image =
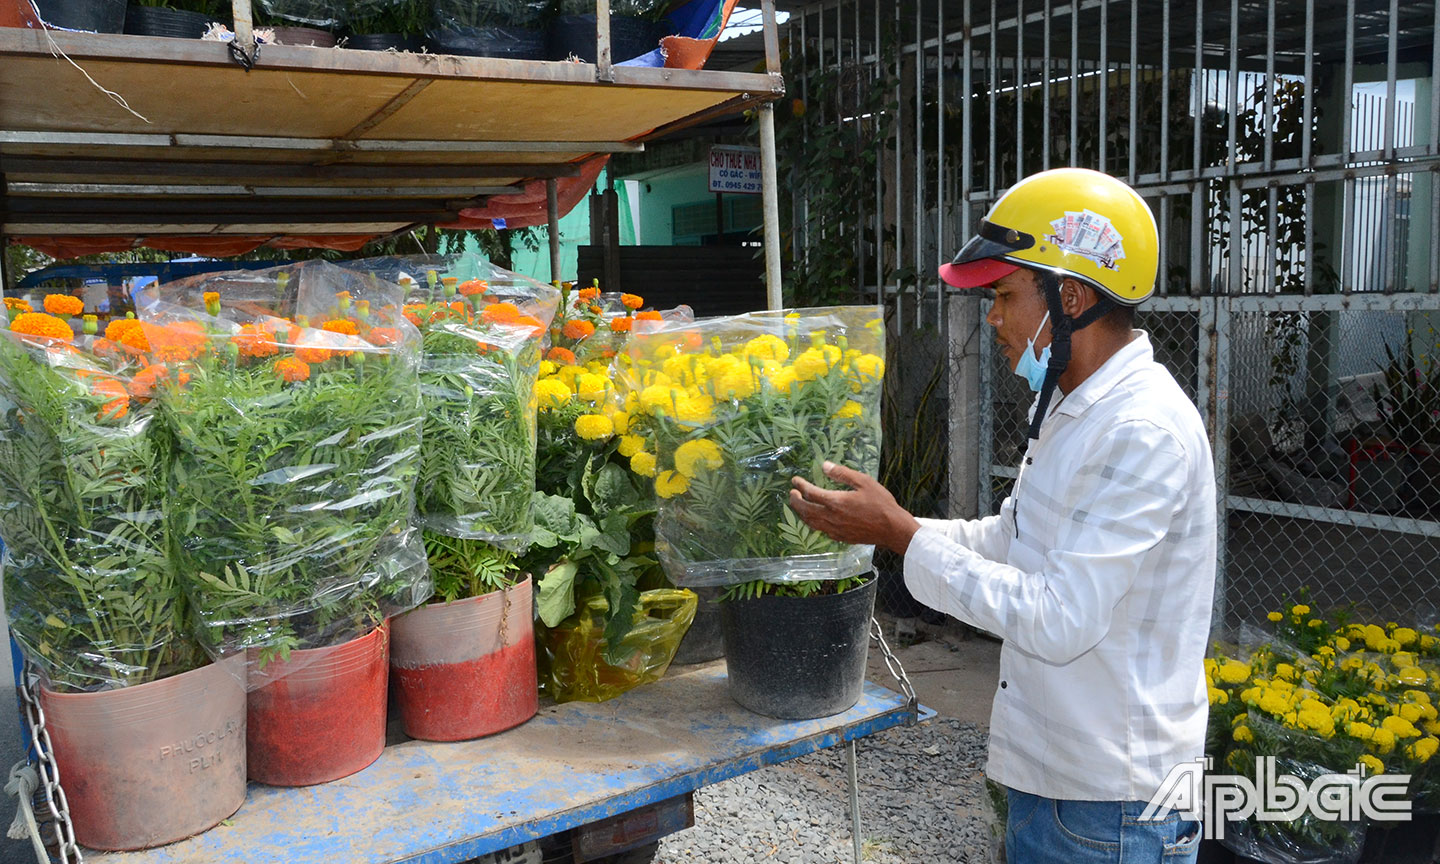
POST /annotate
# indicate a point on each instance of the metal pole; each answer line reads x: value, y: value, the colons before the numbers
x: 772, y: 37
x: 1104, y: 86
x: 1164, y: 98
x: 853, y: 779
x: 1074, y: 83
x: 919, y: 168
x: 552, y: 221
x: 243, y: 19
x: 1134, y: 84
x: 604, y: 70
x: 771, y: 200
x: 1019, y: 89
x: 879, y: 180
x: 1045, y: 91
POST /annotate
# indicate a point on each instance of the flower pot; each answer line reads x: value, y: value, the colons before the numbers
x: 574, y: 35
x: 467, y: 668
x: 170, y: 23
x: 320, y: 715
x: 95, y: 16
x: 513, y: 43
x: 703, y: 641
x: 304, y: 36
x: 148, y: 765
x: 573, y: 664
x: 384, y: 42
x: 798, y: 658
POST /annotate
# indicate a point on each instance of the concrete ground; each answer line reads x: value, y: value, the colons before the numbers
x: 953, y: 668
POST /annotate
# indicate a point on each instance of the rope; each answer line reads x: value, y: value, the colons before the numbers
x: 22, y: 783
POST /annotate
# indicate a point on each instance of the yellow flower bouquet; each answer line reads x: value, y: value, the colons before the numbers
x: 294, y: 404
x: 91, y: 592
x: 726, y: 410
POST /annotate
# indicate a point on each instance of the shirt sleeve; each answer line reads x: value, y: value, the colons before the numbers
x: 989, y: 537
x: 1117, y: 507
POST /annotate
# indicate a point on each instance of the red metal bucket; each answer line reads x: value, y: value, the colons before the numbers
x: 319, y: 715
x: 148, y: 765
x: 467, y: 668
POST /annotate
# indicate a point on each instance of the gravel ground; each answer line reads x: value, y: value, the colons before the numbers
x: 922, y: 799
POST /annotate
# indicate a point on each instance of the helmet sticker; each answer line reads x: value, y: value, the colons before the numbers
x: 1089, y: 235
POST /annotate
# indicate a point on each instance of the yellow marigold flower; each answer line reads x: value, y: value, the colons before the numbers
x: 1384, y: 741
x: 850, y: 409
x: 1405, y: 636
x: 1432, y: 727
x: 1217, y: 696
x: 621, y: 421
x: 1232, y: 672
x: 594, y: 427
x: 1412, y: 676
x: 630, y: 445
x: 1422, y: 750
x: 784, y: 379
x: 767, y: 347
x: 1300, y: 609
x: 682, y: 369
x: 551, y: 393
x: 1243, y: 734
x: 643, y: 463
x: 591, y: 387
x: 1400, y: 726
x: 1411, y: 712
x: 1429, y: 643
x: 1360, y: 731
x: 1315, y: 622
x: 569, y: 373
x: 668, y: 484
x: 660, y: 397
x: 1285, y: 672
x: 1275, y: 616
x: 1372, y: 763
x: 695, y: 410
x: 736, y: 382
x: 547, y: 368
x: 812, y: 363
x: 1341, y: 643
x: 693, y: 456
x: 867, y: 367
x: 63, y: 304
x: 1274, y: 702
x: 1239, y: 718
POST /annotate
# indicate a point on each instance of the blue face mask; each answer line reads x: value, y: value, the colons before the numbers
x: 1029, y: 368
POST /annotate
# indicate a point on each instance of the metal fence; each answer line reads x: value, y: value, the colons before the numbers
x: 1289, y: 151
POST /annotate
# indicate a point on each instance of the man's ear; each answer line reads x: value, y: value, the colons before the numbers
x: 1076, y: 297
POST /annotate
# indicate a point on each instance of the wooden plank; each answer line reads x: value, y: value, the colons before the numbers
x: 110, y: 150
x: 21, y: 188
x: 32, y: 228
x: 217, y: 208
x: 390, y: 108
x: 32, y: 167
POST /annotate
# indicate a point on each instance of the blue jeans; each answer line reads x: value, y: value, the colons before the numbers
x: 1050, y: 831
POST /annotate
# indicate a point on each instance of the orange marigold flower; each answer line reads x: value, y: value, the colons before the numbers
x: 632, y: 301
x: 383, y: 336
x: 129, y: 334
x: 607, y: 353
x: 40, y: 324
x: 500, y: 313
x: 622, y: 325
x: 293, y: 369
x: 596, y: 310
x: 412, y: 312
x: 577, y: 329
x: 17, y: 303
x: 563, y: 356
x: 474, y: 286
x: 117, y: 398
x: 536, y: 328
x: 343, y: 326
x: 589, y: 293
x: 142, y: 386
x: 649, y: 315
x: 253, y: 340
x: 177, y: 342
x: 115, y: 409
x: 103, y: 347
x: 64, y: 304
x: 312, y: 354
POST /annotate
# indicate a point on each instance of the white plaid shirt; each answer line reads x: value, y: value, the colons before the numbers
x: 1098, y: 573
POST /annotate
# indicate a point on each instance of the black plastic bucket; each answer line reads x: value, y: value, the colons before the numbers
x: 512, y: 43
x: 171, y: 23
x: 384, y: 42
x: 703, y: 642
x: 96, y: 16
x: 798, y: 658
x: 574, y: 35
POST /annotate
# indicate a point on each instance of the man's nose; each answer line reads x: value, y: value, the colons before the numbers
x: 993, y: 318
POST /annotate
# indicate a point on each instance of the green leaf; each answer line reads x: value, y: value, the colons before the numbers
x: 613, y: 489
x: 557, y: 599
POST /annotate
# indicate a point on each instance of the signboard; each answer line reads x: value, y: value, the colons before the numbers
x: 735, y: 170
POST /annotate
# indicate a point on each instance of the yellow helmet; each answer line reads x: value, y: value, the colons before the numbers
x: 1070, y: 222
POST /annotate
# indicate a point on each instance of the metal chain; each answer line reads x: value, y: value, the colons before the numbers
x: 897, y: 671
x: 55, y: 799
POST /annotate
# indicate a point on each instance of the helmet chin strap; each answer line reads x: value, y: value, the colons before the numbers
x: 1061, y: 328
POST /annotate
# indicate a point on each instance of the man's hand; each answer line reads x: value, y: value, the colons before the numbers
x: 867, y: 515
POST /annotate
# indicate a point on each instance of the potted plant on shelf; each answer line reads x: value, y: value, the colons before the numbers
x: 464, y: 665
x: 381, y: 25
x: 92, y: 592
x: 511, y: 29
x: 636, y: 27
x: 609, y: 625
x: 174, y: 19
x: 311, y: 23
x: 297, y: 443
x: 733, y: 408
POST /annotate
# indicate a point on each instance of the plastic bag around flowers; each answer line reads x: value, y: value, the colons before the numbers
x: 730, y: 409
x: 572, y: 654
x: 293, y: 398
x: 91, y: 592
x: 481, y: 330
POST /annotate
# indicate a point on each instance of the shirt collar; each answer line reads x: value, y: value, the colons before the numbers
x: 1123, y: 363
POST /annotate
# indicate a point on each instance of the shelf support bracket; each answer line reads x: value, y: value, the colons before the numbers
x: 244, y: 49
x: 604, y: 68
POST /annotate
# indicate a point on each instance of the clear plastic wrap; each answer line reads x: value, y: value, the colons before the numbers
x: 731, y: 408
x: 293, y: 397
x: 322, y: 14
x: 481, y: 329
x: 489, y: 28
x: 572, y: 660
x: 90, y: 589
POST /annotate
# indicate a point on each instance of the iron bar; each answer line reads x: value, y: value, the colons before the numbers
x: 1045, y: 85
x: 918, y: 239
x: 1133, y: 144
x: 552, y: 224
x: 1164, y: 92
x: 1019, y: 90
x: 604, y: 68
x: 1308, y: 111
x: 1390, y: 61
x: 1104, y: 129
x: 1074, y: 140
x: 1268, y: 122
x: 770, y: 201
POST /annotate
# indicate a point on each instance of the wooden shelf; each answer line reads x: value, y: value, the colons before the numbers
x: 311, y: 140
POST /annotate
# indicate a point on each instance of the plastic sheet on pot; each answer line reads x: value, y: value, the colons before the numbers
x: 481, y: 330
x: 571, y: 654
x: 732, y: 408
x: 293, y: 396
x: 91, y: 593
x: 324, y: 14
x: 489, y: 28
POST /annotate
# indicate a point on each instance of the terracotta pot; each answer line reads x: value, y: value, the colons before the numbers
x: 467, y: 668
x: 319, y: 715
x: 148, y: 765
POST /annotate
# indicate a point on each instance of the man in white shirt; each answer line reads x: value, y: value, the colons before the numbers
x: 1099, y: 570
